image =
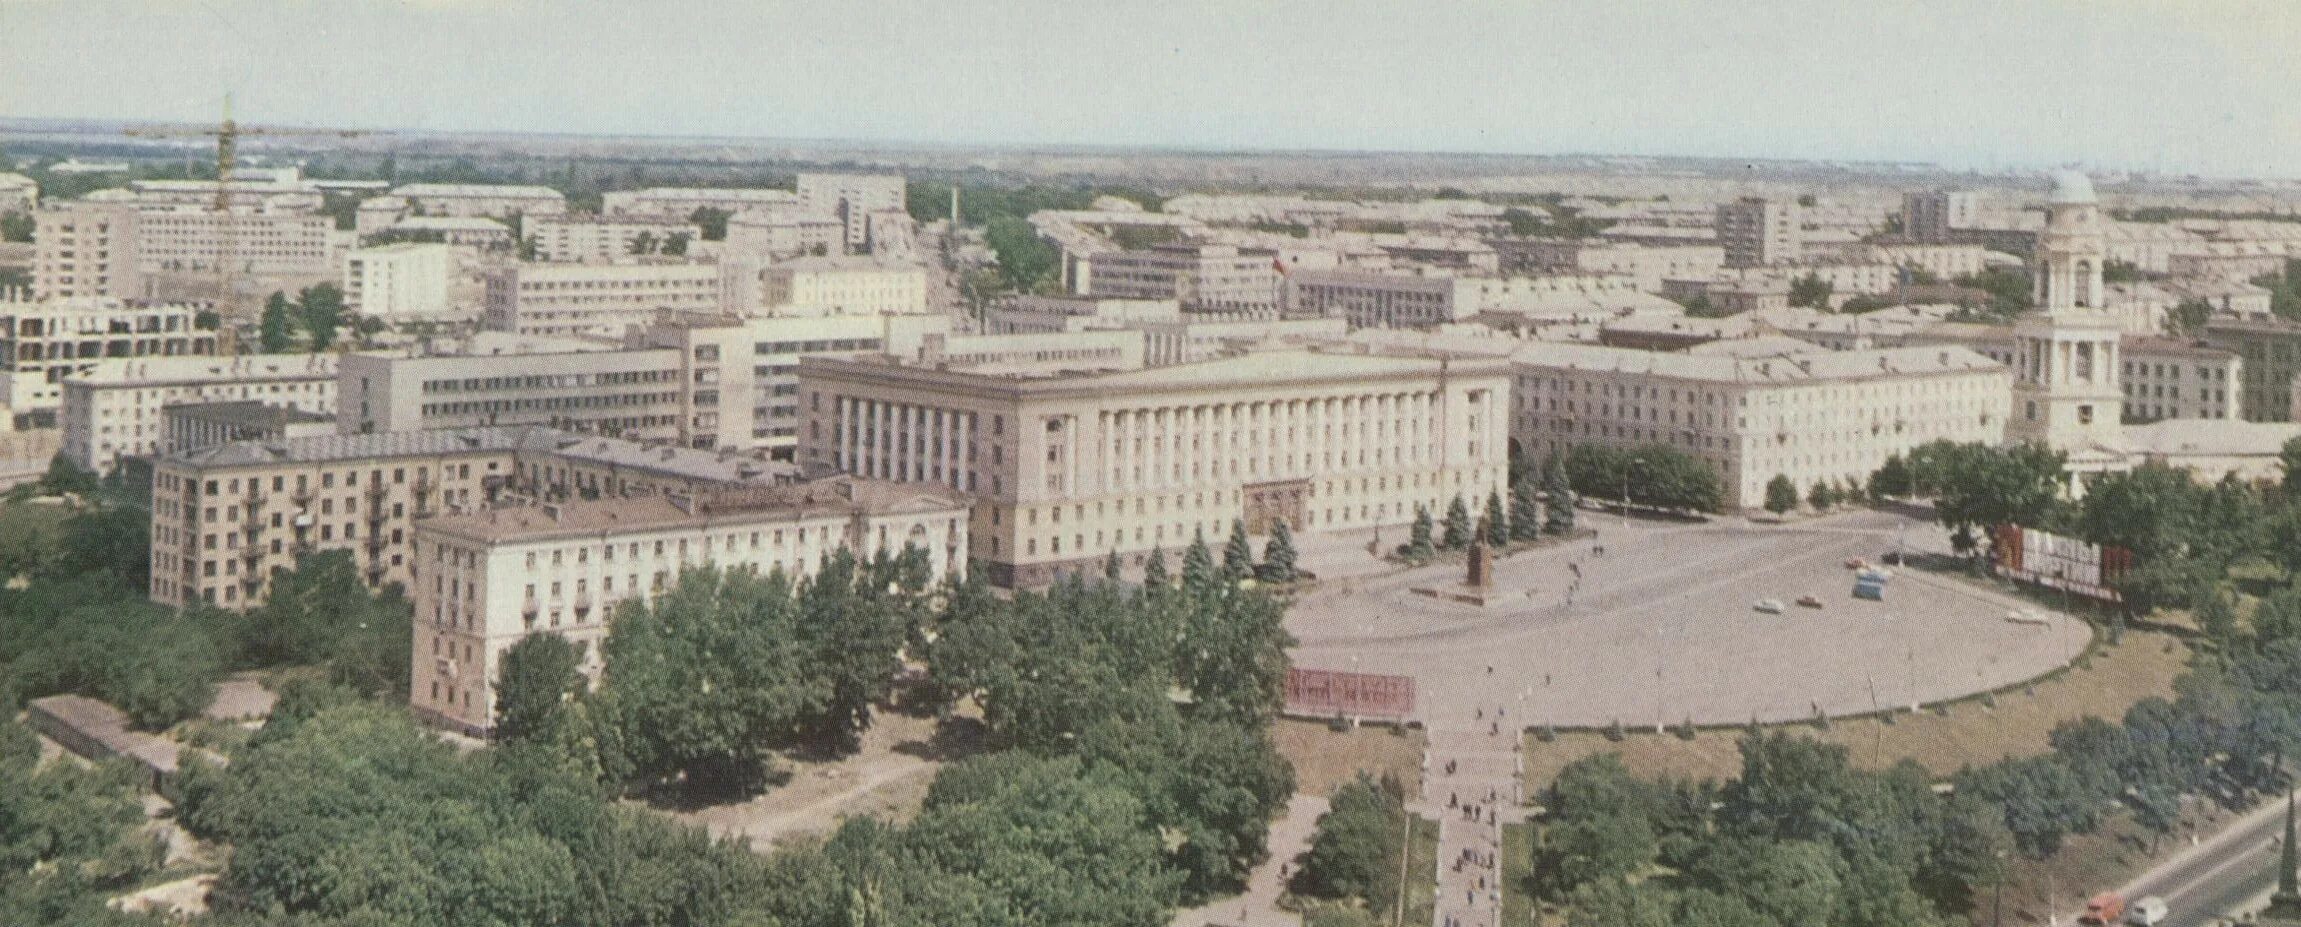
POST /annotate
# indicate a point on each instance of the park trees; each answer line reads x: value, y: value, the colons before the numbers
x: 1892, y: 478
x: 1977, y: 486
x: 1237, y: 554
x: 541, y: 675
x: 276, y: 331
x: 1497, y: 521
x: 1823, y: 496
x: 1810, y: 291
x: 1653, y: 475
x: 1278, y: 554
x: 1353, y: 852
x: 1418, y: 545
x: 1781, y: 494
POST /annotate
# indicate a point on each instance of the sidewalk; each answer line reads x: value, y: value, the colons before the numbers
x: 1258, y: 907
x: 1471, y: 786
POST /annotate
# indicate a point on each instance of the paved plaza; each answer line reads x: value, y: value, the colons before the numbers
x: 1660, y: 628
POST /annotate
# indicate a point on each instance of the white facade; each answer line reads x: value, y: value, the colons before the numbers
x: 2066, y: 391
x: 18, y: 193
x: 490, y: 579
x: 1069, y: 469
x: 679, y: 203
x: 1756, y: 232
x: 852, y: 198
x: 841, y: 286
x: 737, y: 377
x: 2167, y: 378
x: 398, y: 281
x: 604, y: 240
x: 467, y: 200
x: 43, y: 343
x: 116, y: 408
x: 1834, y: 415
x: 595, y: 299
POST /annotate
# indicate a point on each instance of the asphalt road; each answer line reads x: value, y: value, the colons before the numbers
x: 2225, y: 877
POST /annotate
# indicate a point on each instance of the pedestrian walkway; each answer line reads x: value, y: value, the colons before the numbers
x: 1471, y: 786
x: 1258, y: 907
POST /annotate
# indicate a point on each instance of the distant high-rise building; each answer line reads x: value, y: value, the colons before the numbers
x: 853, y: 198
x: 1933, y: 217
x: 1756, y: 232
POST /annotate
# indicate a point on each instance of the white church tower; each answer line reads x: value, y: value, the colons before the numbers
x: 2066, y: 391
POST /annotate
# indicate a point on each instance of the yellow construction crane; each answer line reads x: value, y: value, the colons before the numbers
x: 227, y: 135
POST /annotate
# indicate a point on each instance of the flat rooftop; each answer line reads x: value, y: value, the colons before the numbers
x: 839, y: 496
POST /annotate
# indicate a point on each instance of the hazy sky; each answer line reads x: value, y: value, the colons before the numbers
x: 2210, y: 86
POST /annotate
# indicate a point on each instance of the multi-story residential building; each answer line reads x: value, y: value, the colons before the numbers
x: 632, y: 393
x: 118, y: 408
x: 86, y: 250
x: 1068, y: 469
x: 114, y: 248
x: 1934, y: 217
x: 289, y: 193
x: 224, y: 517
x: 2171, y: 378
x: 680, y: 203
x: 398, y: 281
x: 737, y: 376
x: 1376, y: 300
x: 2269, y: 349
x: 1649, y: 265
x: 1811, y: 416
x: 763, y: 237
x: 595, y: 299
x: 606, y: 239
x: 853, y: 198
x: 42, y: 343
x: 1032, y: 315
x: 492, y: 578
x: 1755, y: 232
x: 837, y: 286
x: 207, y: 424
x: 468, y: 200
x: 1199, y: 276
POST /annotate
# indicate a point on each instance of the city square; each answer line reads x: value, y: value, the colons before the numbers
x: 1661, y: 628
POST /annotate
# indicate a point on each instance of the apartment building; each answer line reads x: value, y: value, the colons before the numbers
x: 1833, y: 415
x: 43, y: 343
x: 1934, y: 217
x: 1946, y: 262
x: 737, y: 376
x: 1199, y: 276
x: 605, y: 239
x: 842, y: 286
x: 762, y: 237
x: 852, y: 199
x: 472, y: 200
x: 492, y: 578
x: 1649, y: 265
x: 207, y: 424
x: 197, y: 240
x: 1378, y: 300
x: 398, y: 281
x: 117, y: 408
x: 631, y: 393
x: 1067, y: 469
x: 2269, y: 350
x: 84, y: 250
x: 2169, y: 378
x: 224, y: 517
x: 595, y: 299
x: 1027, y: 315
x: 18, y: 193
x: 1755, y: 232
x: 680, y: 203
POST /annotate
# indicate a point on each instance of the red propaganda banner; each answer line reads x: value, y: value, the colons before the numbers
x: 2056, y: 562
x: 1326, y: 693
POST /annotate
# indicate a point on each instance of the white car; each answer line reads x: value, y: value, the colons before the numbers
x: 1769, y: 606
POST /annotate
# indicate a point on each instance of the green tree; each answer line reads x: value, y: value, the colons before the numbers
x: 1198, y: 573
x: 1781, y: 494
x: 675, y: 244
x: 1892, y: 479
x: 109, y: 544
x: 542, y: 673
x: 1654, y: 475
x: 1237, y: 555
x: 2187, y: 318
x: 1354, y: 850
x: 2217, y: 619
x: 1113, y: 568
x: 64, y: 476
x: 1154, y: 569
x: 1810, y: 291
x: 1418, y: 544
x: 16, y: 226
x: 703, y: 681
x: 1558, y: 506
x: 1603, y: 826
x: 643, y: 243
x: 1497, y: 521
x: 1525, y: 512
x: 1977, y: 486
x: 712, y: 220
x: 322, y: 310
x: 1823, y: 496
x: 1278, y: 554
x: 1457, y: 526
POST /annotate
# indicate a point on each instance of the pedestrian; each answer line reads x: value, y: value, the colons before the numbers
x: 1489, y: 669
x: 1494, y: 728
x: 1545, y: 679
x: 1480, y: 713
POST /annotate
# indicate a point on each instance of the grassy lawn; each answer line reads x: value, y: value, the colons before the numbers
x: 1518, y: 905
x: 1421, y: 863
x: 2143, y: 665
x: 1324, y: 758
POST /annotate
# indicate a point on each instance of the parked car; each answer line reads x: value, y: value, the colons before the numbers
x: 2148, y: 912
x: 1769, y: 606
x: 1810, y: 601
x: 1856, y: 563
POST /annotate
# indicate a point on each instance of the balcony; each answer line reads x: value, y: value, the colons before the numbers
x: 302, y: 497
x: 376, y: 493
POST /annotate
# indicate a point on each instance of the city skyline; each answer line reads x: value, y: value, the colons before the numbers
x: 2195, y: 87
